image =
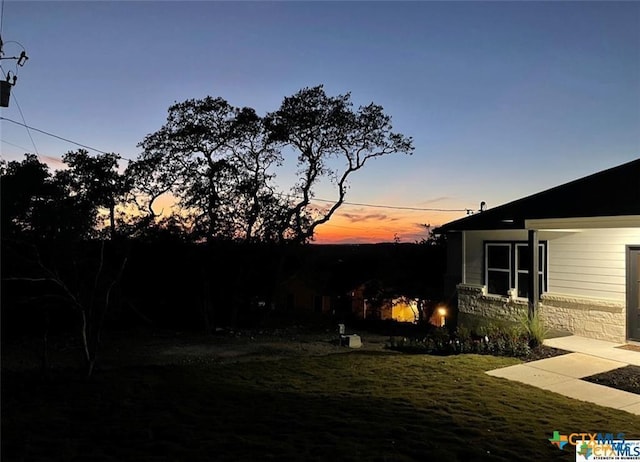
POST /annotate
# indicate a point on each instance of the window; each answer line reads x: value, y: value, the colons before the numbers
x: 507, y: 267
x: 522, y: 269
x: 498, y: 268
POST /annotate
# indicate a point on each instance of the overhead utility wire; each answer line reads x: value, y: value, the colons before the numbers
x: 24, y: 123
x: 13, y: 144
x: 55, y: 136
x: 420, y: 209
x: 395, y: 207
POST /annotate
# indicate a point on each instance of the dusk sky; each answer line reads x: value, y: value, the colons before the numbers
x: 502, y: 99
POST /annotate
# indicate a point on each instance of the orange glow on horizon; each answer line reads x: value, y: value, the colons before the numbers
x: 362, y: 227
x: 351, y: 224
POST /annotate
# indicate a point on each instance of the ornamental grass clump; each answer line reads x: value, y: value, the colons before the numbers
x: 535, y: 329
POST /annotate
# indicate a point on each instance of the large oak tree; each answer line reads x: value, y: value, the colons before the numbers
x: 332, y: 141
x: 220, y: 162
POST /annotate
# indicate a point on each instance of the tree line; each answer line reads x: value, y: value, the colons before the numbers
x: 219, y: 162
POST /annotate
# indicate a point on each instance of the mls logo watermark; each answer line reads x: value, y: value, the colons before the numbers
x: 598, y: 446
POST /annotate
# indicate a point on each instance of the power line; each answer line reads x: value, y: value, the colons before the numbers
x: 359, y: 204
x: 16, y: 145
x: 21, y: 113
x: 15, y: 100
x: 54, y: 136
x: 395, y: 207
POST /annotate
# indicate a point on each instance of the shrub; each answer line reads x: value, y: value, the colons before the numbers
x: 535, y: 329
x: 500, y: 341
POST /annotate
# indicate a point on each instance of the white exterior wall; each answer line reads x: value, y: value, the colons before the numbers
x: 586, y: 277
x: 590, y: 262
x: 587, y: 281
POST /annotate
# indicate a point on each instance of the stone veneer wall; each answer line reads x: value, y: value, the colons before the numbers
x: 598, y: 319
x: 474, y: 300
x: 592, y: 318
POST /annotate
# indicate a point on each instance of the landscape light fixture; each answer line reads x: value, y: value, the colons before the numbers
x: 442, y: 312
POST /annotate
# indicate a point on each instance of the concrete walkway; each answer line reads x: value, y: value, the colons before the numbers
x: 562, y: 374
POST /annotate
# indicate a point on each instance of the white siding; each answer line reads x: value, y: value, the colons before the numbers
x: 582, y: 263
x: 590, y: 262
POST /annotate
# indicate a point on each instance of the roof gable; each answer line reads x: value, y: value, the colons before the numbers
x: 612, y: 192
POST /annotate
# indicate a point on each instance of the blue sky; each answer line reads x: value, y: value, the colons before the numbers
x: 503, y: 99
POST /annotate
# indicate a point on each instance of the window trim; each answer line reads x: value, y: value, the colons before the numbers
x: 542, y: 266
x: 502, y: 270
x: 513, y: 262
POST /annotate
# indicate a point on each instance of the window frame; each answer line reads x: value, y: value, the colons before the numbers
x: 513, y: 270
x: 542, y: 266
x: 509, y: 271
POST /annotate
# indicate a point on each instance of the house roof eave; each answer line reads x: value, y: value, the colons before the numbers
x: 612, y: 192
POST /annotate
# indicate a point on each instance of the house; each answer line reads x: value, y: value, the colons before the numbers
x: 369, y: 281
x: 581, y: 239
x: 382, y: 306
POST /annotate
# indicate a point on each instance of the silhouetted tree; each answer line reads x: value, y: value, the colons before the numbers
x: 23, y: 185
x: 257, y: 202
x: 432, y: 238
x: 332, y: 141
x: 190, y: 156
x: 95, y: 180
x: 37, y: 205
x: 220, y: 162
x: 79, y: 275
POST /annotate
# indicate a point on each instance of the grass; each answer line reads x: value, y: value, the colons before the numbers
x: 360, y: 406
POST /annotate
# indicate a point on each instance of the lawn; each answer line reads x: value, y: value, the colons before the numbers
x: 357, y: 406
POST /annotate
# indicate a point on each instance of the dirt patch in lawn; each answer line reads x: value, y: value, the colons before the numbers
x: 250, y: 346
x: 164, y: 348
